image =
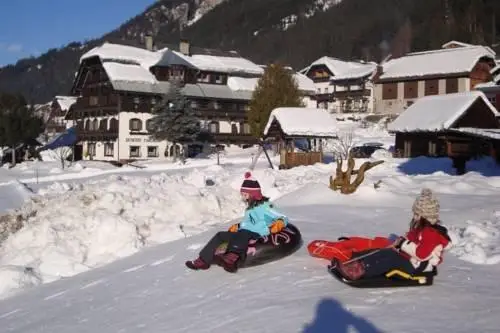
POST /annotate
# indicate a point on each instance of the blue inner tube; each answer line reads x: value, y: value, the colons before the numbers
x: 270, y: 248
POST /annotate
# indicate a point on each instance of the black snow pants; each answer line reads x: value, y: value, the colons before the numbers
x: 383, y: 261
x: 237, y: 243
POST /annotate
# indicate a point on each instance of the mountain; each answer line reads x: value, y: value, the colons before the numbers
x: 295, y: 32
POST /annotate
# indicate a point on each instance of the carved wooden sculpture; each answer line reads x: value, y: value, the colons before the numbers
x: 342, y: 179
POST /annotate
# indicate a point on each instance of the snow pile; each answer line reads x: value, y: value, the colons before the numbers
x: 477, y: 242
x: 71, y: 228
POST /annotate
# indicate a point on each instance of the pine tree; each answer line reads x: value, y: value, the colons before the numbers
x: 276, y: 88
x: 174, y: 119
x: 18, y: 122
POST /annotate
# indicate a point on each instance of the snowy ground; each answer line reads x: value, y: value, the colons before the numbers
x: 85, y: 227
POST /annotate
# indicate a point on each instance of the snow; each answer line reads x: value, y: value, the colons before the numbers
x: 65, y: 102
x: 437, y: 112
x: 130, y: 73
x: 236, y: 83
x: 443, y: 61
x: 224, y: 64
x: 359, y: 72
x: 124, y: 53
x: 492, y: 133
x: 303, y: 122
x: 342, y: 68
x: 133, y: 279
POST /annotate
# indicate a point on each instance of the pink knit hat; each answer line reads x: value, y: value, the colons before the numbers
x: 251, y: 187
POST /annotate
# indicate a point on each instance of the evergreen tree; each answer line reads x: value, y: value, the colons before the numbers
x: 18, y: 121
x: 276, y: 88
x: 174, y: 119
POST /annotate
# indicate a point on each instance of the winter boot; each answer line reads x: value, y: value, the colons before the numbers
x: 197, y: 264
x: 228, y: 261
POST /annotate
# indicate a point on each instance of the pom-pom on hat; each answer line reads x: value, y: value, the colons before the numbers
x: 251, y: 186
x: 427, y: 206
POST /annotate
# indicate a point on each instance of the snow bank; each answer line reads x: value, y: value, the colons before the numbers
x: 478, y: 242
x: 71, y: 228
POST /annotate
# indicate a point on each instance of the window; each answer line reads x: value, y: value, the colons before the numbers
x: 93, y: 100
x: 432, y: 148
x: 91, y: 148
x: 326, y: 90
x: 135, y: 124
x: 109, y: 149
x: 431, y: 87
x: 149, y: 125
x: 94, y: 125
x: 153, y: 101
x: 194, y: 104
x: 234, y: 129
x: 451, y: 85
x: 152, y: 151
x: 390, y: 91
x: 244, y: 128
x: 213, y: 127
x: 218, y: 78
x: 103, y: 124
x: 113, y: 124
x: 134, y: 151
x: 411, y: 89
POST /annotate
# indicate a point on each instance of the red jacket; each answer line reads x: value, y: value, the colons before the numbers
x: 424, y: 246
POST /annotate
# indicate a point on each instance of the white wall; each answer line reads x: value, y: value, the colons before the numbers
x: 126, y: 139
x: 395, y: 106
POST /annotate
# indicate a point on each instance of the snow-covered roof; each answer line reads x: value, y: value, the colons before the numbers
x: 65, y: 102
x: 305, y: 84
x: 125, y: 72
x: 307, y: 122
x: 438, y: 112
x: 491, y: 133
x: 334, y: 65
x: 462, y: 44
x: 361, y: 71
x: 437, y: 62
x: 124, y: 53
x: 249, y: 84
x: 211, y: 63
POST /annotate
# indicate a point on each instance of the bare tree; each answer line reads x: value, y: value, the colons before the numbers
x: 343, y: 145
x: 62, y: 154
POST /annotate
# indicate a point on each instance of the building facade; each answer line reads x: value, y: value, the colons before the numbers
x: 400, y: 82
x: 342, y: 86
x: 118, y: 86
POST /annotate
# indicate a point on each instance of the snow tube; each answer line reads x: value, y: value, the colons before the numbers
x: 269, y: 248
x: 393, y: 278
x: 344, y: 248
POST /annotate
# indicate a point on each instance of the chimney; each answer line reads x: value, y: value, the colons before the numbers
x: 184, y: 47
x: 149, y: 42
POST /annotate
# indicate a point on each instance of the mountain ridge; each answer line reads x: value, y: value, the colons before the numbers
x: 295, y: 32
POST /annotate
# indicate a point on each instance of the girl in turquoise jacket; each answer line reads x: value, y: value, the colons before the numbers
x: 260, y: 220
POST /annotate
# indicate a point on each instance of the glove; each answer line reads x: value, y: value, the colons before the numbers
x: 398, y: 242
x: 234, y: 228
x: 277, y: 226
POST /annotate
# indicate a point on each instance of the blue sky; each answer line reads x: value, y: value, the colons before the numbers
x: 31, y: 27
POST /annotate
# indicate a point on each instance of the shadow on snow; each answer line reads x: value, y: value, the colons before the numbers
x: 332, y: 317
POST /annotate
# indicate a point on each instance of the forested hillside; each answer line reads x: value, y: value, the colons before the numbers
x: 294, y: 32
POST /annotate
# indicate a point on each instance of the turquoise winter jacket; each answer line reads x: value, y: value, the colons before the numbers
x: 259, y: 218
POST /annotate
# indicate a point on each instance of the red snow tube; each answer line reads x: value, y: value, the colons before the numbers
x: 343, y: 249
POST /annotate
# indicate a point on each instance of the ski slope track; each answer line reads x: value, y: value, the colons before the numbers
x: 152, y: 291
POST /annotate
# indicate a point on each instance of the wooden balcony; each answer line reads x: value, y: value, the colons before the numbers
x: 223, y: 113
x: 324, y: 97
x: 351, y: 93
x: 233, y: 138
x: 97, y: 135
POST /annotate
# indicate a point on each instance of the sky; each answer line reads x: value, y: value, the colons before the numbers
x: 31, y: 27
